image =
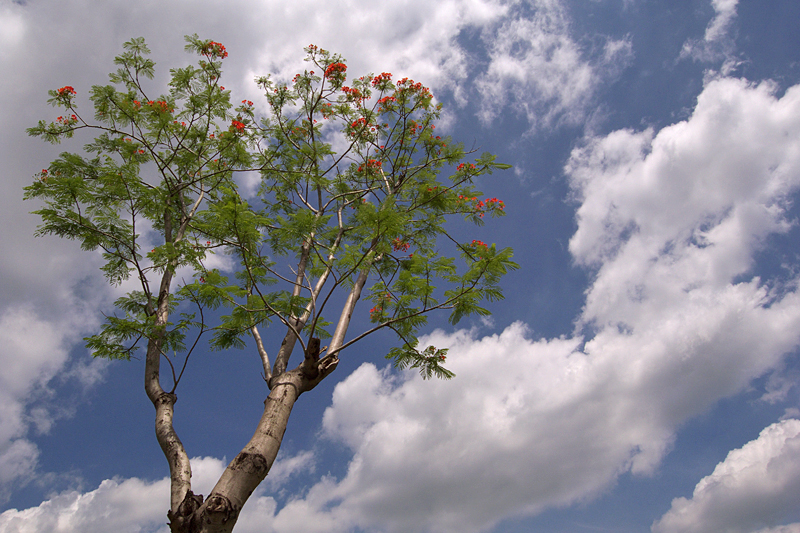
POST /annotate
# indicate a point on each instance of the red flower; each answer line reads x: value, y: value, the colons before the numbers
x: 238, y: 125
x: 383, y: 76
x: 335, y: 69
x: 357, y: 125
x: 400, y: 246
x: 215, y: 49
x: 67, y: 89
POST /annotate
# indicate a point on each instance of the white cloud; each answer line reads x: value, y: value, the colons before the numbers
x: 725, y: 14
x: 538, y: 68
x: 684, y: 210
x: 717, y: 43
x: 12, y: 25
x: 138, y: 506
x: 129, y: 506
x: 670, y: 221
x: 33, y: 351
x: 789, y: 528
x: 125, y: 506
x: 755, y: 486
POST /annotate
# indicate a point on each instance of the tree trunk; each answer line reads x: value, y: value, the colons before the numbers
x: 219, y: 512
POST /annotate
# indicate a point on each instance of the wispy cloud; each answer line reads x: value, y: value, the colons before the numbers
x: 538, y: 68
x: 718, y: 43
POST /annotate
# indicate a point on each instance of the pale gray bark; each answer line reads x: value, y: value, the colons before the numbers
x: 179, y: 468
x: 220, y: 511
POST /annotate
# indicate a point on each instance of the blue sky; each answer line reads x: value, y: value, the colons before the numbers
x: 642, y: 372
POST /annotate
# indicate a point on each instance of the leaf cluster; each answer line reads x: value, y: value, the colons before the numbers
x: 354, y: 181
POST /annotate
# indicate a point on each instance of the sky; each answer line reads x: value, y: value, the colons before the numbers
x: 642, y: 372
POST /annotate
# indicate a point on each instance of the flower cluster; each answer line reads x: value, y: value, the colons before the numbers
x: 72, y: 119
x: 238, y: 125
x: 352, y: 93
x: 494, y: 202
x: 371, y: 164
x: 359, y: 126
x: 385, y: 103
x: 376, y: 313
x: 408, y: 85
x: 400, y: 245
x: 432, y: 354
x: 462, y: 166
x: 335, y: 70
x: 67, y: 90
x: 160, y: 105
x: 415, y: 127
x: 215, y: 49
x: 480, y: 248
x: 383, y: 77
x: 247, y: 103
x: 481, y: 206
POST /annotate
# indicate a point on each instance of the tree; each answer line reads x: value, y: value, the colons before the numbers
x: 325, y: 226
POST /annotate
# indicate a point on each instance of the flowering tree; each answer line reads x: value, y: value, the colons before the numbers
x: 325, y: 227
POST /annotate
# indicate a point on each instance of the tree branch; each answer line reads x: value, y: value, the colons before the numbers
x: 263, y: 353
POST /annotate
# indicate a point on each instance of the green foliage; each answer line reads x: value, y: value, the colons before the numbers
x: 162, y: 173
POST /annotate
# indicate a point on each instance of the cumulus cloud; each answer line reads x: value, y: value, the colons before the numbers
x: 757, y: 485
x: 138, y: 506
x: 669, y: 221
x: 666, y: 214
x: 127, y: 506
x: 537, y: 67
